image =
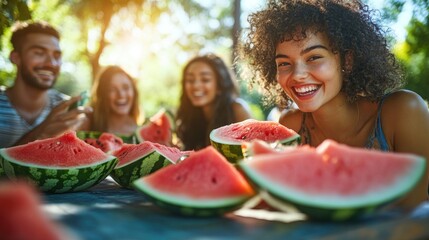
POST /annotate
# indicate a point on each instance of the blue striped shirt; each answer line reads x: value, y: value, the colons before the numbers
x: 13, y: 126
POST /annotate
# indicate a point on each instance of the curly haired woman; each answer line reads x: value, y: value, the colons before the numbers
x: 331, y: 58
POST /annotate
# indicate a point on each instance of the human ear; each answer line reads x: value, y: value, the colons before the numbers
x: 14, y: 57
x: 348, y: 61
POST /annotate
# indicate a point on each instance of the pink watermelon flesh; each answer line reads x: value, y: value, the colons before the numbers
x: 130, y: 152
x: 205, y: 174
x: 251, y: 129
x: 66, y: 150
x: 257, y: 147
x: 334, y: 169
x: 107, y: 142
x: 158, y: 130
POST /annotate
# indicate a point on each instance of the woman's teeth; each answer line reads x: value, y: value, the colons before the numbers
x: 306, y: 89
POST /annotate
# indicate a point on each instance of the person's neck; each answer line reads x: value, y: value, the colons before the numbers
x: 338, y: 120
x: 27, y: 97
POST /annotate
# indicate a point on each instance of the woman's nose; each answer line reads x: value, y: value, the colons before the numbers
x: 300, y: 71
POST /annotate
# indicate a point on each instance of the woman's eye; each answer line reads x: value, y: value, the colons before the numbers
x: 283, y: 64
x: 189, y: 81
x: 313, y: 58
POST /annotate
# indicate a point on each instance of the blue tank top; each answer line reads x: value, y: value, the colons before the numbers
x: 376, y: 140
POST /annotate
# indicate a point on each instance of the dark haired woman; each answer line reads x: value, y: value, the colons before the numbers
x: 209, y: 100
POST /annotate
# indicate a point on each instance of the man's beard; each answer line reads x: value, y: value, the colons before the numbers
x: 33, y: 80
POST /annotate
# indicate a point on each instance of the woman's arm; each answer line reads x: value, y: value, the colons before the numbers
x: 405, y: 119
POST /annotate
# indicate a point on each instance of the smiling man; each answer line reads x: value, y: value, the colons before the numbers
x: 31, y: 109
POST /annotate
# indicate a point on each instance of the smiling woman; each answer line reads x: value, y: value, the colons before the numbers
x: 209, y: 100
x: 331, y: 59
x: 114, y: 100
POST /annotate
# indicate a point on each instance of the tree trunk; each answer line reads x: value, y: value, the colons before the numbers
x: 236, y: 30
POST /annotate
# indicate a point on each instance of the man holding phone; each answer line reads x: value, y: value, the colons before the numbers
x: 31, y: 109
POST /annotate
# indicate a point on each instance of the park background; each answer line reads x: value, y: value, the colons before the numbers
x: 153, y: 39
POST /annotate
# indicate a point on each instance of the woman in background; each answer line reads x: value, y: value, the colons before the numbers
x: 114, y: 99
x: 209, y: 100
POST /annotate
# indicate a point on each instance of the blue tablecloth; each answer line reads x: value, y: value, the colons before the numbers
x: 108, y: 211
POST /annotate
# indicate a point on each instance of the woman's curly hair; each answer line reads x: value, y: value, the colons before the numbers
x: 351, y: 31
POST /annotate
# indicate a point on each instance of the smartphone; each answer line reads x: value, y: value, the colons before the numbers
x: 84, y: 99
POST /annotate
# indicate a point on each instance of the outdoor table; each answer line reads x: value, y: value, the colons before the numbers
x: 108, y: 211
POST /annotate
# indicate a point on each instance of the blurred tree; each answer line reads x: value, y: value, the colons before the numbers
x: 414, y: 51
x: 95, y: 19
x: 11, y: 11
x: 169, y: 32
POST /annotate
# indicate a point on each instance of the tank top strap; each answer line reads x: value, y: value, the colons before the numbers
x: 377, y: 137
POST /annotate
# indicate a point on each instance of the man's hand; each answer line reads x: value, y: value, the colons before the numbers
x: 60, y: 120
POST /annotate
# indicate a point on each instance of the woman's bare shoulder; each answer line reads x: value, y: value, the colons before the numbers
x: 405, y: 117
x: 402, y: 102
x: 241, y: 110
x: 291, y: 119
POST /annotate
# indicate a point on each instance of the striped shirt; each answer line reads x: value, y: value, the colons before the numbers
x: 13, y: 126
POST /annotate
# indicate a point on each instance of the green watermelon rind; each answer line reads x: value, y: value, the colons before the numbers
x: 190, y: 207
x: 142, y: 166
x: 329, y: 207
x: 233, y: 150
x: 2, y: 173
x: 58, y: 179
x: 132, y: 139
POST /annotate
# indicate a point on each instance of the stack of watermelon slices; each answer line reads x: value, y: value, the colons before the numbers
x: 331, y: 182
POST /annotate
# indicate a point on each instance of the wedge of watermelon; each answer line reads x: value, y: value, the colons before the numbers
x: 257, y: 147
x: 204, y: 184
x: 107, y: 142
x: 138, y: 160
x: 105, y: 139
x: 22, y: 216
x: 61, y: 164
x: 229, y: 139
x: 158, y: 129
x: 334, y: 181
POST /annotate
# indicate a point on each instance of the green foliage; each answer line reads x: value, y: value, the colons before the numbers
x: 6, y: 78
x: 11, y: 11
x: 414, y: 52
x: 151, y: 40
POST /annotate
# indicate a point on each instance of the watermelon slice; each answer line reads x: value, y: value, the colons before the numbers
x: 59, y: 164
x: 159, y: 128
x: 334, y: 181
x: 138, y: 160
x: 22, y: 216
x: 204, y: 184
x: 228, y: 139
x: 107, y: 142
x: 91, y: 136
x: 257, y: 147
